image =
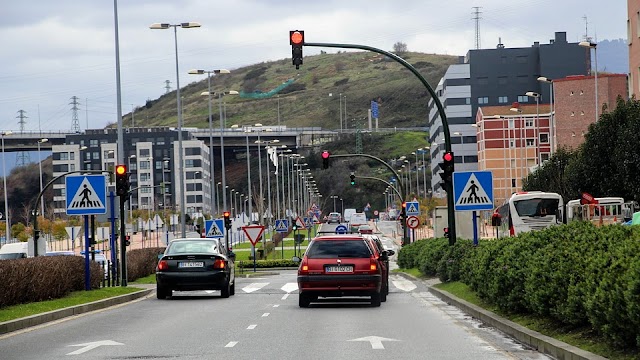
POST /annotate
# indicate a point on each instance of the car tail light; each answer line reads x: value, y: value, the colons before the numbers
x: 163, y: 265
x: 373, y: 266
x: 219, y: 264
x: 304, y: 267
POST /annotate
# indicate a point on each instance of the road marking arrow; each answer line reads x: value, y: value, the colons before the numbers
x: 376, y: 341
x: 90, y: 346
x: 289, y: 287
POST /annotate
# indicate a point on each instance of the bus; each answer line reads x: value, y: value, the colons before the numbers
x: 527, y: 211
x: 605, y: 210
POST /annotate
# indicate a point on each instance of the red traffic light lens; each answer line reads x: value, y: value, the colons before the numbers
x: 121, y: 169
x: 404, y: 205
x: 447, y: 156
x: 325, y: 154
x: 226, y: 214
x: 297, y: 37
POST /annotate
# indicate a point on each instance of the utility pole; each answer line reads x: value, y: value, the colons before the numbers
x: 75, y: 124
x: 476, y: 17
x: 167, y: 86
x: 22, y: 158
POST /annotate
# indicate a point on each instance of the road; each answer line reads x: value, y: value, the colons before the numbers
x: 263, y: 321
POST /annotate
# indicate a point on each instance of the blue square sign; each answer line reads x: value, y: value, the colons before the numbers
x: 473, y: 190
x: 86, y: 194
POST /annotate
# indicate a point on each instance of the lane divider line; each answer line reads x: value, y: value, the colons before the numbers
x: 251, y: 327
x: 265, y: 314
x: 276, y: 305
x: 231, y: 344
x: 285, y: 296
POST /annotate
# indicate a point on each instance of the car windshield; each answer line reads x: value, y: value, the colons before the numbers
x: 338, y: 249
x: 11, y: 256
x: 191, y: 247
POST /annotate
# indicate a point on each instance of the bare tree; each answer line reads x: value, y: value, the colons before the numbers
x: 400, y: 47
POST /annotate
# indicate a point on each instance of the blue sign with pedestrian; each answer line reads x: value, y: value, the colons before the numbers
x: 214, y: 228
x: 282, y: 225
x: 413, y: 208
x: 341, y: 229
x: 473, y: 190
x: 308, y: 222
x: 86, y: 194
x: 374, y: 109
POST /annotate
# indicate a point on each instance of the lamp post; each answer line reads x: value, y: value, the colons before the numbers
x: 41, y: 141
x: 165, y: 163
x: 268, y: 147
x: 249, y: 198
x: 417, y: 175
x: 7, y: 221
x: 552, y: 125
x: 218, y: 198
x: 186, y: 25
x: 334, y: 197
x: 424, y: 172
x: 211, y: 157
x: 537, y: 127
x: 590, y: 45
x: 516, y: 109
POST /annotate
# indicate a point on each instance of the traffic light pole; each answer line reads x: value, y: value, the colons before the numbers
x: 434, y: 96
x: 123, y: 244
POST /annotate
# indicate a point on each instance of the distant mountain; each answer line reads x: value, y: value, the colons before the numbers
x: 613, y: 56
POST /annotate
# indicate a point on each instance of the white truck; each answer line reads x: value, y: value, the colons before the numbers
x: 16, y: 250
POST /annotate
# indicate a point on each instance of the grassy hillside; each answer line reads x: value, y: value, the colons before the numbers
x: 360, y: 76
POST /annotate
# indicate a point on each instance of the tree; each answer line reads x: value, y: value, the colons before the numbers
x: 400, y: 47
x: 553, y: 175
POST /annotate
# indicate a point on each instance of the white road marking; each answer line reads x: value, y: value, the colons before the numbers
x: 404, y: 284
x: 375, y: 341
x: 254, y: 287
x: 265, y: 314
x: 251, y: 327
x: 276, y: 305
x: 92, y: 345
x: 290, y: 287
x: 231, y: 344
x: 285, y: 296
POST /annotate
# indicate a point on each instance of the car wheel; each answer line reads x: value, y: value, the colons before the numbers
x: 232, y: 290
x: 375, y: 299
x: 162, y: 293
x: 304, y: 300
x: 383, y: 296
x: 226, y: 291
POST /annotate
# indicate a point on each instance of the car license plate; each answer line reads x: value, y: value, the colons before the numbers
x: 191, y: 264
x: 338, y: 269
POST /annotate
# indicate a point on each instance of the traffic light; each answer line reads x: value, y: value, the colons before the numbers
x: 294, y: 227
x: 122, y: 181
x: 353, y: 179
x: 446, y: 232
x: 403, y: 213
x: 296, y: 39
x: 127, y: 240
x: 447, y: 167
x: 227, y: 220
x: 325, y: 159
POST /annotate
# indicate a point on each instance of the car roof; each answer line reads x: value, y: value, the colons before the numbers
x: 338, y: 237
x: 194, y: 239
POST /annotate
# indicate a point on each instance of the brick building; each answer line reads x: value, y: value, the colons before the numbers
x: 574, y: 104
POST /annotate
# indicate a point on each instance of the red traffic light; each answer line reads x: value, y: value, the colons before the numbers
x: 404, y: 205
x: 226, y: 214
x: 325, y: 154
x: 121, y: 169
x: 296, y: 37
x: 447, y: 156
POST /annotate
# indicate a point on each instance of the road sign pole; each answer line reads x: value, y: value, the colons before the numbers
x: 254, y: 256
x: 475, y: 228
x: 123, y: 245
x: 112, y: 238
x: 87, y: 275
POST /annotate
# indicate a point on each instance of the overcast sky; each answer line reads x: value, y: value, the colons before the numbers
x: 53, y: 50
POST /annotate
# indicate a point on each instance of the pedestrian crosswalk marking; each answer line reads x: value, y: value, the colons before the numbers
x: 473, y: 193
x: 214, y: 230
x: 289, y: 287
x: 403, y: 284
x: 254, y: 287
x: 85, y: 197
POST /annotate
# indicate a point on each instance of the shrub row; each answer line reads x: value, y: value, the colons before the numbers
x: 576, y: 274
x: 142, y: 262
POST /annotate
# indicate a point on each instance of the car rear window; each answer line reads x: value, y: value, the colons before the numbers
x: 338, y: 249
x: 191, y: 247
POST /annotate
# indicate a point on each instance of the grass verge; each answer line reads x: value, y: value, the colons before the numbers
x: 151, y: 279
x: 413, y: 272
x: 75, y: 298
x: 583, y: 338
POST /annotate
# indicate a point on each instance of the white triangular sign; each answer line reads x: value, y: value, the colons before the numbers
x: 300, y: 222
x: 281, y: 225
x: 412, y: 208
x: 253, y: 232
x: 85, y: 197
x: 473, y: 193
x: 214, y: 230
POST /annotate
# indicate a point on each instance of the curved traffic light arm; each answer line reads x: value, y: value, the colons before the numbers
x: 384, y: 181
x: 34, y: 211
x: 401, y: 194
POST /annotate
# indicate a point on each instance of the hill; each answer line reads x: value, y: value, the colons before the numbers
x: 309, y: 96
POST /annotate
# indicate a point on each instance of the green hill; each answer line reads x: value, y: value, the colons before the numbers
x: 303, y: 96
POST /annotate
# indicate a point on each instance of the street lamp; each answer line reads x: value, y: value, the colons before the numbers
x: 218, y: 198
x: 186, y: 25
x: 249, y: 195
x: 537, y: 128
x: 590, y: 45
x: 516, y: 109
x: 552, y: 131
x: 268, y: 142
x: 41, y: 141
x: 211, y: 157
x: 7, y: 235
x: 334, y: 197
x: 424, y: 171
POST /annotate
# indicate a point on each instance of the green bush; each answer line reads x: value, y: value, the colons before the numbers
x: 429, y: 256
x: 408, y: 254
x: 450, y: 265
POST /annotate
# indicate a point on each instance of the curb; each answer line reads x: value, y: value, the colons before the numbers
x: 542, y: 343
x: 39, y: 319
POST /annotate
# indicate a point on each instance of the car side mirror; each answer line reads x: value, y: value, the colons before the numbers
x: 384, y: 256
x: 391, y: 252
x: 296, y: 259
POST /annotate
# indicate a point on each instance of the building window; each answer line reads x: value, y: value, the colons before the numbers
x: 503, y: 99
x: 144, y: 152
x: 512, y: 143
x: 72, y: 156
x: 483, y: 100
x: 93, y: 142
x: 145, y: 190
x: 512, y: 124
x: 471, y: 159
x: 523, y: 98
x: 544, y: 157
x: 467, y: 101
x: 96, y: 155
x: 145, y: 165
x: 544, y: 138
x: 513, y: 182
x: 531, y: 142
x: 160, y: 141
x: 528, y: 123
x: 72, y: 167
x: 64, y: 156
x: 133, y: 166
x: 502, y: 80
x: 145, y: 176
x: 469, y: 139
x: 483, y: 80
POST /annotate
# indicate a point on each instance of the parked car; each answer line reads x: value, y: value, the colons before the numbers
x: 334, y: 218
x: 337, y: 266
x: 191, y: 264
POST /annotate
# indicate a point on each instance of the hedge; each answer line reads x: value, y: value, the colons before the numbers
x: 576, y: 274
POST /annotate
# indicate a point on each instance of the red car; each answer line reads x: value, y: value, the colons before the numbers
x: 340, y: 265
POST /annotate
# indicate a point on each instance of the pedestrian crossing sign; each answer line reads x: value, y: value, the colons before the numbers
x: 214, y: 228
x: 413, y: 208
x: 473, y: 190
x: 282, y: 225
x: 86, y: 194
x: 307, y: 222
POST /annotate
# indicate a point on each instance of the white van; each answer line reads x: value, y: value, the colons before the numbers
x: 17, y: 250
x: 346, y: 217
x: 356, y: 220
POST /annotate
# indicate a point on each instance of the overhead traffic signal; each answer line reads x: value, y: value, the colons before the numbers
x: 122, y: 181
x: 353, y: 179
x: 325, y: 159
x: 296, y: 39
x: 127, y: 240
x: 227, y: 220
